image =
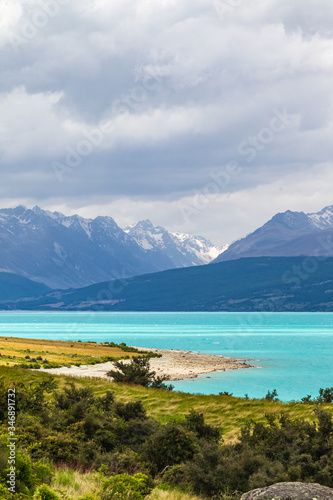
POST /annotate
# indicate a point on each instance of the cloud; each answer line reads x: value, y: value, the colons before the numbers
x: 184, y: 90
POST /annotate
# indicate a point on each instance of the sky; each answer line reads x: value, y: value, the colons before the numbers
x: 207, y: 117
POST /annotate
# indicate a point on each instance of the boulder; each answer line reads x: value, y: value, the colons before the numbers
x: 291, y: 491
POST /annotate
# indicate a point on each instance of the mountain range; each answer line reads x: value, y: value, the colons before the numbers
x: 268, y: 284
x: 285, y: 235
x: 285, y: 265
x: 71, y: 251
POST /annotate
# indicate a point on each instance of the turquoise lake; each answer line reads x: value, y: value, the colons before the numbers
x: 293, y: 351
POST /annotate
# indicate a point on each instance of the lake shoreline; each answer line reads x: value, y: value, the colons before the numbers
x: 175, y: 364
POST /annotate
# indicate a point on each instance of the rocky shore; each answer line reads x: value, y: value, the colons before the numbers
x: 175, y: 364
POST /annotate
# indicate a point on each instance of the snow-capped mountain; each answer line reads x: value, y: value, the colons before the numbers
x: 322, y: 219
x: 71, y: 251
x: 178, y: 249
x: 64, y: 252
x: 285, y: 235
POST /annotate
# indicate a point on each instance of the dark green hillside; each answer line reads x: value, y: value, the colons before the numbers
x: 255, y: 284
x: 13, y: 287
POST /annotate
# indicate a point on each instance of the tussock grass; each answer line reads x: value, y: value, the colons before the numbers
x: 228, y: 412
x: 158, y: 494
x: 74, y: 483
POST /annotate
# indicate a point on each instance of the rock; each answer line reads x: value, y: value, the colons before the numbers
x: 291, y: 491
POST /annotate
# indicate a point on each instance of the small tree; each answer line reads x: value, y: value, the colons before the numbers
x: 138, y: 372
x: 272, y: 396
x: 325, y: 395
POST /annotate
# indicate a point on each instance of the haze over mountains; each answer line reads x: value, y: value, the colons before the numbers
x: 285, y: 235
x: 71, y: 251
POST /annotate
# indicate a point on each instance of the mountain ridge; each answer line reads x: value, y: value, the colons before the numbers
x: 72, y: 251
x: 261, y: 284
x: 285, y: 234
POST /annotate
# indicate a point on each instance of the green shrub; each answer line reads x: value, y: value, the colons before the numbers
x: 326, y: 395
x: 195, y: 422
x: 60, y: 448
x: 137, y: 372
x: 127, y: 411
x: 127, y: 461
x: 26, y: 481
x: 136, y: 431
x: 216, y: 470
x: 125, y: 487
x: 4, y: 493
x: 45, y: 493
x: 106, y: 402
x: 71, y: 395
x: 44, y: 473
x: 170, y: 445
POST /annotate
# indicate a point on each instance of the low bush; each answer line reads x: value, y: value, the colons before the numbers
x: 79, y: 431
x: 171, y: 444
x: 126, y: 487
x: 4, y: 493
x: 45, y: 493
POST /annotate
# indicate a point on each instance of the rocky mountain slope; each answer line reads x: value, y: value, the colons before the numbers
x: 71, y: 251
x: 181, y: 250
x: 287, y: 234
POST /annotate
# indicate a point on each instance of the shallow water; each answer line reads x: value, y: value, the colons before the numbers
x: 293, y: 351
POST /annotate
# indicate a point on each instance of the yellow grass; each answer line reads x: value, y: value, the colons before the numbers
x: 158, y: 494
x: 14, y: 351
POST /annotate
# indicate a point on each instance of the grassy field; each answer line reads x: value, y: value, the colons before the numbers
x: 228, y: 412
x: 52, y: 353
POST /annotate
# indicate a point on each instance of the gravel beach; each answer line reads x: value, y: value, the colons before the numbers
x: 176, y: 364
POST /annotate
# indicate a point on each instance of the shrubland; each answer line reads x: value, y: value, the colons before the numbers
x: 96, y: 440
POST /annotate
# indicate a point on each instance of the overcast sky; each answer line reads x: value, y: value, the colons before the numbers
x: 205, y: 117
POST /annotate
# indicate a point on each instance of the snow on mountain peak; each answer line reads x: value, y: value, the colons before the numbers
x: 103, y: 246
x: 182, y: 249
x: 322, y: 219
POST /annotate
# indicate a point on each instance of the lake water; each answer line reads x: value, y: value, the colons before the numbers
x: 293, y: 351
